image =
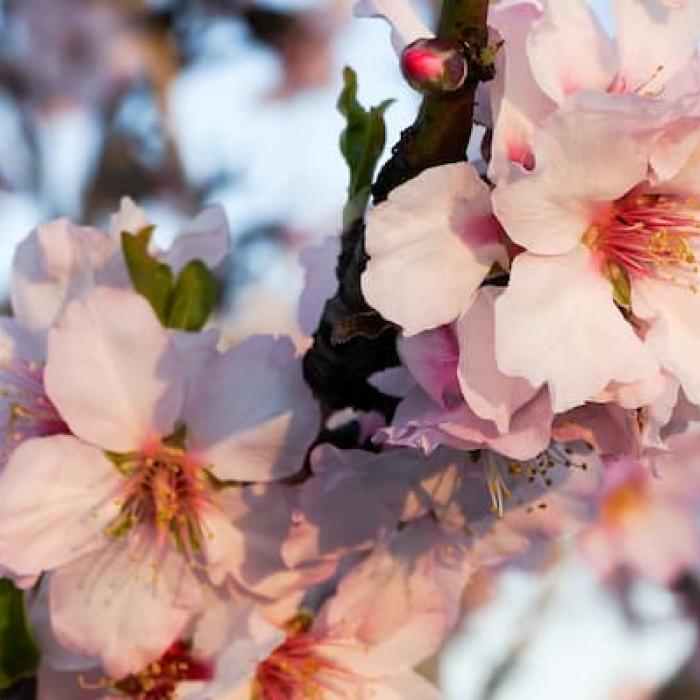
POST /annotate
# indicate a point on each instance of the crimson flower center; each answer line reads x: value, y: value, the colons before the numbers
x: 159, y: 680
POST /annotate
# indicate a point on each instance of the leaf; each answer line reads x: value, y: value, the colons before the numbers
x: 193, y: 298
x: 19, y: 655
x: 361, y: 143
x: 150, y: 278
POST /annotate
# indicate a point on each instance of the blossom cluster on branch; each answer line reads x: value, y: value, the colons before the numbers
x: 182, y: 519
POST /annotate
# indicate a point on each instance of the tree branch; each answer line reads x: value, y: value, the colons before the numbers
x: 353, y: 341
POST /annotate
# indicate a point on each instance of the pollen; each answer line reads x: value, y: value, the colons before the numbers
x: 165, y: 490
x: 649, y: 235
x: 297, y: 671
x: 160, y: 679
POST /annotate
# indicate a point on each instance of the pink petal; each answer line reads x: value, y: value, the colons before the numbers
x: 130, y: 219
x: 519, y: 105
x: 549, y: 324
x: 403, y: 600
x: 676, y: 32
x: 253, y: 417
x: 205, y: 238
x: 54, y: 264
x: 549, y: 210
x: 430, y: 245
x: 569, y: 50
x: 111, y: 371
x: 490, y: 394
x: 125, y: 603
x: 431, y: 358
x: 324, y: 526
x: 673, y: 311
x: 320, y: 282
x: 42, y: 528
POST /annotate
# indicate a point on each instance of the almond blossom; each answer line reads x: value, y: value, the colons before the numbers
x: 136, y: 490
x: 555, y: 49
x: 647, y: 521
x: 600, y: 240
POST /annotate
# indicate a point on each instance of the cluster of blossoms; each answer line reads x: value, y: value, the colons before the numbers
x: 177, y: 527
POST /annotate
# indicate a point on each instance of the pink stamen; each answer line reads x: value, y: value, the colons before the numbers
x: 650, y: 235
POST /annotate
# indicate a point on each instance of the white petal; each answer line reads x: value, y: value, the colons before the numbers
x: 57, y: 498
x: 551, y: 321
x: 112, y: 372
x: 430, y: 245
x: 252, y: 415
x: 205, y: 238
x: 125, y: 603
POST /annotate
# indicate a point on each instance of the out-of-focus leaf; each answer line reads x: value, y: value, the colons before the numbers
x: 361, y: 143
x: 19, y: 655
x: 193, y: 297
x: 150, y: 277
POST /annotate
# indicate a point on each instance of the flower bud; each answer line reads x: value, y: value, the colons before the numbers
x: 434, y: 65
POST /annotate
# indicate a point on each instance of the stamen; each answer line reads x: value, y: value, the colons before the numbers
x: 159, y: 680
x: 295, y: 669
x: 649, y: 235
x: 165, y: 490
x: 30, y: 412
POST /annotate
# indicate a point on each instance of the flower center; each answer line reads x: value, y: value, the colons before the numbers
x: 649, y: 235
x: 30, y: 412
x: 626, y: 503
x: 159, y: 680
x: 165, y: 490
x: 295, y: 670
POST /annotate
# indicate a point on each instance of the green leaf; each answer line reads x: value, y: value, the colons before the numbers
x: 19, y: 655
x: 193, y: 298
x: 151, y: 278
x: 361, y: 143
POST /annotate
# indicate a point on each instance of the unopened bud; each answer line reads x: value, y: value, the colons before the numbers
x: 434, y: 65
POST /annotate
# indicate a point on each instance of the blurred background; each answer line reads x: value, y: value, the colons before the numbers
x: 178, y: 103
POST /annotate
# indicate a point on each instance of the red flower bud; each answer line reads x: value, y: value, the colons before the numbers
x: 434, y: 65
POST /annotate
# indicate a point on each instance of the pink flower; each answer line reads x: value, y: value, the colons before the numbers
x: 646, y: 519
x: 555, y: 49
x: 133, y: 505
x: 431, y: 244
x: 600, y: 238
x: 462, y: 399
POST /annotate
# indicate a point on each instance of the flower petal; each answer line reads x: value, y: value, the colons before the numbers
x: 549, y: 325
x: 674, y: 313
x: 53, y: 265
x: 569, y: 50
x: 676, y: 31
x: 252, y: 416
x: 112, y: 372
x: 430, y: 245
x: 518, y: 103
x: 125, y: 603
x: 490, y: 394
x: 205, y: 238
x: 549, y: 210
x: 42, y: 528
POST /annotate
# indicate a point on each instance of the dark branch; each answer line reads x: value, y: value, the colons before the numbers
x: 353, y: 341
